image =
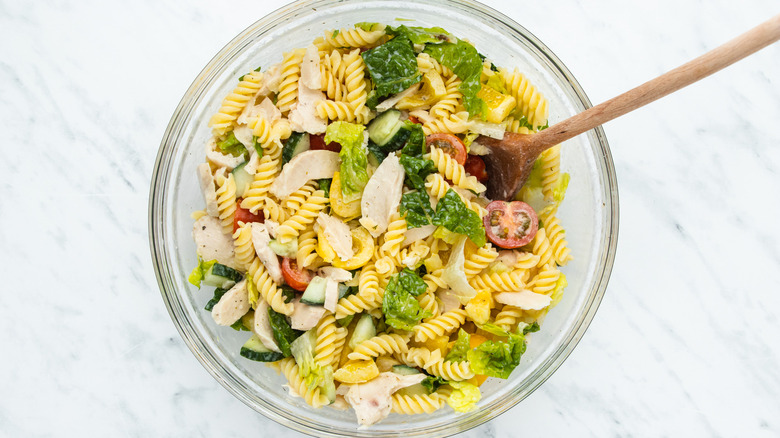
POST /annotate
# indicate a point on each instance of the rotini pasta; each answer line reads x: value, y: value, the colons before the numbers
x: 404, y: 295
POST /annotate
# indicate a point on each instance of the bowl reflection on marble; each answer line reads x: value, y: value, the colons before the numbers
x: 589, y: 213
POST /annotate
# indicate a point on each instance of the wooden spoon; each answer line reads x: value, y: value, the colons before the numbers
x: 510, y: 160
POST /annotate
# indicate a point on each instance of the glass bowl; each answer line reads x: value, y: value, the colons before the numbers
x: 589, y: 213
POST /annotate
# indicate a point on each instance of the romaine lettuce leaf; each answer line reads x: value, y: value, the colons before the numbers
x: 251, y: 291
x: 557, y: 293
x: 454, y: 274
x: 411, y: 282
x: 432, y: 383
x: 196, y: 276
x: 497, y: 358
x: 460, y: 349
x: 464, y: 396
x: 463, y: 59
x: 324, y: 185
x: 231, y: 145
x: 422, y: 35
x: 417, y: 207
x: 353, y: 173
x: 392, y: 66
x: 302, y: 350
x: 452, y: 214
x: 416, y: 169
x: 415, y: 144
x: 401, y: 309
x: 367, y: 26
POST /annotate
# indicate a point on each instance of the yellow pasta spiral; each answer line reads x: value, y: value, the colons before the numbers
x: 508, y: 317
x: 307, y: 244
x: 369, y: 294
x: 268, y: 289
x: 234, y: 103
x: 530, y: 102
x: 394, y: 236
x: 511, y: 124
x: 425, y: 64
x: 353, y: 37
x: 451, y: 101
x: 550, y: 161
x: 273, y: 211
x: 417, y: 403
x: 312, y: 396
x: 433, y: 363
x: 330, y: 341
x: 379, y: 346
x: 477, y: 261
x: 445, y: 323
x: 455, y: 123
x: 428, y: 302
x: 544, y: 282
x: 332, y: 84
x: 291, y: 72
x: 245, y: 250
x: 292, y: 227
x: 453, y: 171
x: 226, y: 202
x: 328, y: 109
x: 297, y: 198
x: 257, y: 192
x: 354, y: 78
x: 503, y: 281
x: 526, y: 260
x: 270, y: 135
x: 542, y: 248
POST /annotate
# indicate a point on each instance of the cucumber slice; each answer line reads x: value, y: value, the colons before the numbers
x: 328, y: 386
x: 405, y: 370
x: 315, y: 292
x: 243, y: 179
x: 221, y: 276
x: 248, y: 320
x: 416, y: 389
x: 218, y: 292
x: 364, y: 330
x: 388, y: 132
x: 289, y: 249
x: 253, y: 349
x: 297, y: 143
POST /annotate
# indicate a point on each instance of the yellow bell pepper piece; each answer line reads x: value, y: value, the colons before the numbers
x: 356, y: 371
x: 499, y: 105
x: 478, y: 308
x: 432, y: 90
x: 362, y: 244
x: 345, y: 210
x: 323, y: 248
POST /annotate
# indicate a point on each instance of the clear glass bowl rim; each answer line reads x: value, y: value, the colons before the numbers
x: 162, y: 266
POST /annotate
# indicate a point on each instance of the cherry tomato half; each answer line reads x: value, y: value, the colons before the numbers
x: 510, y: 224
x: 245, y: 216
x: 414, y: 119
x: 450, y: 144
x: 296, y: 278
x: 476, y: 166
x: 317, y: 142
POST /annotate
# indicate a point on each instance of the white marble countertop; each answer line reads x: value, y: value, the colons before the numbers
x: 685, y: 342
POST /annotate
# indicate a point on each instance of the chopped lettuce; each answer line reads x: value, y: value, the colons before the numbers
x: 498, y: 358
x: 454, y: 274
x: 460, y: 349
x: 196, y: 276
x: 401, y: 309
x: 415, y: 144
x: 239, y: 326
x: 324, y: 185
x: 411, y: 282
x: 302, y: 350
x: 251, y: 291
x: 353, y: 173
x: 231, y: 145
x: 557, y: 292
x: 367, y: 26
x: 452, y: 214
x: 422, y: 35
x: 284, y: 335
x: 416, y: 169
x: 464, y: 396
x: 446, y: 235
x: 495, y: 82
x: 417, y: 207
x: 531, y: 328
x: 432, y: 383
x: 463, y: 59
x: 392, y: 66
x: 468, y: 139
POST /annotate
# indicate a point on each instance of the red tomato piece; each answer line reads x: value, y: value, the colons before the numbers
x: 317, y: 142
x: 296, y: 278
x: 245, y: 216
x: 476, y: 166
x: 414, y: 119
x: 510, y: 224
x: 450, y: 144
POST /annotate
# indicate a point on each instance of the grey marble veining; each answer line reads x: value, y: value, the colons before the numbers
x: 685, y: 341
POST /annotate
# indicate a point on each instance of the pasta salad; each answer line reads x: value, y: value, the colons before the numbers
x: 346, y: 228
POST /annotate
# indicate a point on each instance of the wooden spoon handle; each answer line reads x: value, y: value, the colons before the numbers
x: 686, y: 74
